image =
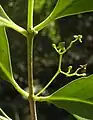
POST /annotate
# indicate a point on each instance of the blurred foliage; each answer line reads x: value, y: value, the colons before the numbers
x: 45, y: 57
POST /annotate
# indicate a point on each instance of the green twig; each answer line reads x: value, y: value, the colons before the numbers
x: 6, y: 117
x: 72, y: 42
x: 60, y: 62
x: 48, y: 84
x: 53, y: 78
x: 72, y: 74
x: 68, y: 74
x: 30, y: 76
x: 19, y: 89
x: 77, y: 38
x: 30, y: 14
x: 30, y: 39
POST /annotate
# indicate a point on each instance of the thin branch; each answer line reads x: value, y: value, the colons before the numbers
x: 19, y: 89
x: 30, y: 14
x: 72, y: 42
x: 30, y: 76
x: 53, y: 78
x: 8, y: 118
x: 60, y: 62
x: 30, y: 39
x: 48, y: 84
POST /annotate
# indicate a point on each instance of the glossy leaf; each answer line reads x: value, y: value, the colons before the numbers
x: 80, y: 118
x: 76, y: 97
x: 5, y: 62
x: 4, y: 19
x: 70, y: 7
x: 7, y: 22
x: 66, y: 8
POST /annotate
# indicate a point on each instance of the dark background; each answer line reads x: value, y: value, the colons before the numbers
x: 45, y: 57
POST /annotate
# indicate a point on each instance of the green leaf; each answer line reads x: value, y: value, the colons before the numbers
x: 4, y: 19
x: 5, y: 62
x: 80, y: 118
x: 66, y: 8
x: 71, y: 7
x: 7, y: 22
x: 76, y: 97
